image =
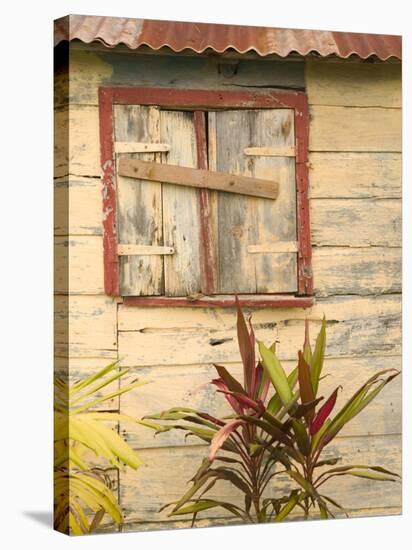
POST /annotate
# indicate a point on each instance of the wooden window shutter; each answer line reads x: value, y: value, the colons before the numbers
x: 160, y: 221
x: 253, y: 240
x: 256, y: 237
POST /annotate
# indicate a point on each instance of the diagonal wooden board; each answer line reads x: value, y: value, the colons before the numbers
x: 192, y: 177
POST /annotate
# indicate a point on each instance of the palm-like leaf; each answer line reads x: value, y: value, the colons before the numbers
x: 78, y: 428
x: 78, y: 494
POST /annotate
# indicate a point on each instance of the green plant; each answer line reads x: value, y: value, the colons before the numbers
x: 315, y: 430
x: 239, y: 450
x: 80, y: 487
x: 264, y: 438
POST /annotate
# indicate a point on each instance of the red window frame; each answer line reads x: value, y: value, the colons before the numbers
x: 198, y: 101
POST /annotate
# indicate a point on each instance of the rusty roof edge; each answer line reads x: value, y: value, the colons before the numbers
x: 199, y: 37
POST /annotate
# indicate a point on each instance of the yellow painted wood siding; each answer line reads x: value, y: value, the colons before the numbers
x: 355, y: 194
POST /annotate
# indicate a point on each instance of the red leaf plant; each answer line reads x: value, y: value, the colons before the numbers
x: 282, y: 436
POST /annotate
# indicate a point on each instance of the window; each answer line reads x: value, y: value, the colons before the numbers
x: 167, y: 241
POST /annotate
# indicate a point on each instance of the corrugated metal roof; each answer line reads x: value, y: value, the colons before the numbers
x: 179, y: 36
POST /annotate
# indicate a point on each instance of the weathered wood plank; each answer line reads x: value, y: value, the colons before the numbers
x: 356, y: 223
x: 355, y: 129
x: 130, y: 147
x: 181, y: 212
x: 201, y: 179
x: 139, y: 208
x: 189, y: 386
x: 81, y: 155
x: 363, y: 271
x: 355, y: 175
x: 78, y: 265
x: 77, y: 206
x: 273, y: 248
x: 79, y: 367
x: 244, y: 221
x: 354, y: 84
x: 164, y: 476
x: 85, y: 326
x: 89, y: 70
x: 357, y: 326
x: 286, y: 151
x: 143, y: 250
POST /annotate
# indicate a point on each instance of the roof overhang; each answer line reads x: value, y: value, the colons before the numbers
x: 201, y: 37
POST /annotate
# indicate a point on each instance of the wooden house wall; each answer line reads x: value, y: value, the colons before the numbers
x: 355, y: 190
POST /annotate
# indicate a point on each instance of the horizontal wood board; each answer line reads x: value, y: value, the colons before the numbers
x: 355, y: 190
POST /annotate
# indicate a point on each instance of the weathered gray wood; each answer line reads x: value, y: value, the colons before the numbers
x: 181, y: 216
x: 143, y: 250
x: 356, y: 223
x: 355, y: 175
x: 130, y: 147
x: 139, y: 208
x: 91, y: 69
x: 273, y: 248
x: 164, y: 476
x: 189, y: 386
x: 244, y: 221
x: 287, y: 151
x: 356, y: 326
x: 340, y: 270
x: 199, y: 178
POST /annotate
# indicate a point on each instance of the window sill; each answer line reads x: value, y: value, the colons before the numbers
x: 275, y: 301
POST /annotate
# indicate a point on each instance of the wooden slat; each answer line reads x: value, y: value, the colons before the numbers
x: 270, y: 151
x: 273, y: 248
x: 173, y: 336
x: 355, y: 129
x: 130, y: 147
x: 143, y: 250
x: 77, y: 146
x: 165, y: 474
x: 243, y: 221
x: 85, y: 326
x: 139, y: 208
x: 78, y: 265
x: 77, y: 206
x: 209, y: 253
x: 178, y: 175
x: 181, y: 216
x: 221, y: 300
x: 373, y: 270
x: 355, y: 84
x: 355, y: 175
x: 189, y: 386
x: 356, y: 223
